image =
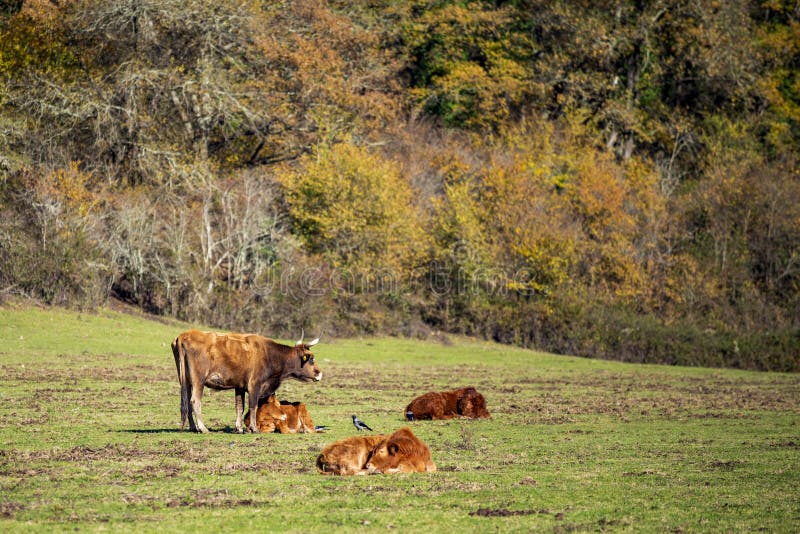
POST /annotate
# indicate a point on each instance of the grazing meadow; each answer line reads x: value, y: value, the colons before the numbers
x: 90, y: 439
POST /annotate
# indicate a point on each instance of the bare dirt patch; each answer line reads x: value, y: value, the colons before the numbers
x: 110, y: 452
x: 646, y: 472
x: 211, y: 498
x: 726, y: 465
x: 8, y: 509
x: 555, y: 400
x: 70, y: 376
x: 503, y: 512
x: 202, y: 498
x: 791, y: 444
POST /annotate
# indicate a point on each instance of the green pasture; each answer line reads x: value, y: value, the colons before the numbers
x: 90, y: 440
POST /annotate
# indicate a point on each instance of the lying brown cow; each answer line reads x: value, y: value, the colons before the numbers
x: 242, y: 362
x: 268, y: 415
x: 464, y: 402
x: 401, y: 452
x: 298, y: 420
x: 284, y: 417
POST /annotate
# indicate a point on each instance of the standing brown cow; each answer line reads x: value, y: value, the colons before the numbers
x: 242, y: 362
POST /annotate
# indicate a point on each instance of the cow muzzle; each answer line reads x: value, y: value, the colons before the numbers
x: 318, y: 377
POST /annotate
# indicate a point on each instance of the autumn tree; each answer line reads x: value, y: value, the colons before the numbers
x: 354, y: 208
x: 605, y: 178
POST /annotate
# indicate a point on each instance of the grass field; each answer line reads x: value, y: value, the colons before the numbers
x: 90, y: 440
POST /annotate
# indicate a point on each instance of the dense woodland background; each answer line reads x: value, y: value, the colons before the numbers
x: 615, y: 179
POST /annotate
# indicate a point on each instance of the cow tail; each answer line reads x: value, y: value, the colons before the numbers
x: 179, y: 351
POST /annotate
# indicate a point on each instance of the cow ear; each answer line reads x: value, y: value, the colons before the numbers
x: 392, y: 448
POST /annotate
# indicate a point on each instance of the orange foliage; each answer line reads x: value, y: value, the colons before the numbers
x: 70, y: 187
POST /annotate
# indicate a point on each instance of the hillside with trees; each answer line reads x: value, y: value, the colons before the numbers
x: 612, y: 179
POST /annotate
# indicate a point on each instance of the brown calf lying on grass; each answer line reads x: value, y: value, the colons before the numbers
x: 284, y: 417
x: 400, y: 452
x: 298, y: 420
x: 464, y: 402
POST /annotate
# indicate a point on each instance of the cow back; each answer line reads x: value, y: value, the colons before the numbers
x: 347, y: 456
x: 224, y: 361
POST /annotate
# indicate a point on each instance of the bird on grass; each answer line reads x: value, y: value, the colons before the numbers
x: 409, y: 415
x: 320, y: 428
x: 359, y: 424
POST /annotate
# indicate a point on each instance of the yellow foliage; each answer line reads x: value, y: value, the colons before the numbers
x: 32, y: 38
x: 69, y: 187
x: 325, y: 71
x: 354, y: 207
x: 558, y: 210
x: 470, y: 72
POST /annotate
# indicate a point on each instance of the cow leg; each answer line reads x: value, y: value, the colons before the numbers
x: 197, y: 395
x: 253, y: 398
x: 190, y: 412
x: 239, y: 409
x: 438, y: 412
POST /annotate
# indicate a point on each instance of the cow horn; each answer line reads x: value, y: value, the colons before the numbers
x: 314, y: 342
x: 302, y: 335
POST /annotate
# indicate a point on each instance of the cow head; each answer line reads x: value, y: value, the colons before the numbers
x: 401, y: 452
x: 472, y: 404
x: 306, y: 369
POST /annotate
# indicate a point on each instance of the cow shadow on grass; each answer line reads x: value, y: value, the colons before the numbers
x: 150, y: 430
x: 224, y: 430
